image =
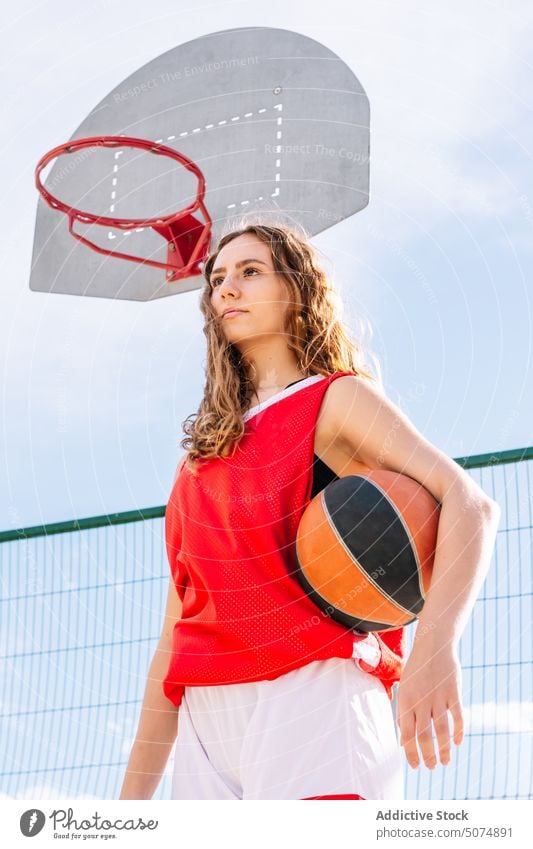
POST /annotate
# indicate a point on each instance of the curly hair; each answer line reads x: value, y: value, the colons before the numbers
x: 313, y: 328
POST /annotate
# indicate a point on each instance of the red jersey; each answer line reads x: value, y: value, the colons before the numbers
x: 230, y: 535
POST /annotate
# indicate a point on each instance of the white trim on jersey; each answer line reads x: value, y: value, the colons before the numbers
x: 289, y: 390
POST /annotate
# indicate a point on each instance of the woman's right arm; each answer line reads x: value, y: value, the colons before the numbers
x: 158, y: 723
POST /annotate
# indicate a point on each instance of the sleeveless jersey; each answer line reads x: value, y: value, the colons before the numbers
x: 230, y: 533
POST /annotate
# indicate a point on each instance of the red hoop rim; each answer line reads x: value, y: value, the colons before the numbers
x: 119, y: 141
x: 170, y: 227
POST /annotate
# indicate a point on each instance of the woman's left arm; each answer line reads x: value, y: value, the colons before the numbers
x: 430, y: 681
x: 374, y: 431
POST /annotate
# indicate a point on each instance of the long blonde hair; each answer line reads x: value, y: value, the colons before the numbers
x: 314, y: 330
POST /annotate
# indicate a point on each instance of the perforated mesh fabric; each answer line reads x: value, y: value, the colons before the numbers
x: 230, y: 536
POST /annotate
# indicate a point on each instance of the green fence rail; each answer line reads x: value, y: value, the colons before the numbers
x: 81, y: 611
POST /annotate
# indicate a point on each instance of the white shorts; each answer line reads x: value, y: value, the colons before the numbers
x: 325, y: 729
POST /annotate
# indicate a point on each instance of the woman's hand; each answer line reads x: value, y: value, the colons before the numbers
x: 429, y: 687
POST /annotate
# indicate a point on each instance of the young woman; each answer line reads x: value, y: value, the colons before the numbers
x: 273, y: 701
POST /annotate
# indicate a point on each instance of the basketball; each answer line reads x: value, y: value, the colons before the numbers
x: 365, y: 548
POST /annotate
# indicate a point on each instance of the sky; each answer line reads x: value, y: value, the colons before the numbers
x: 434, y: 273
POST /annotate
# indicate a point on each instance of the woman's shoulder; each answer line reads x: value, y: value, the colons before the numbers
x: 346, y: 392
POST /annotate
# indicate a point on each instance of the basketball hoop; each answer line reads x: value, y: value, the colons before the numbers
x: 188, y: 237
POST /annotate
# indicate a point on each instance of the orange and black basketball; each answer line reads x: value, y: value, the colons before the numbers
x: 365, y: 549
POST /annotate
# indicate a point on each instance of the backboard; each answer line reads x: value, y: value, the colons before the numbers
x: 277, y: 123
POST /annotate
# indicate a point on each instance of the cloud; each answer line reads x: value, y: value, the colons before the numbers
x: 449, y: 112
x: 500, y: 717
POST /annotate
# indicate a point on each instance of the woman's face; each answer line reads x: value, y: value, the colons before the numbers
x: 243, y: 278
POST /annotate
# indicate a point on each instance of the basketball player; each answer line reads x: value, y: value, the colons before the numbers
x: 265, y: 697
